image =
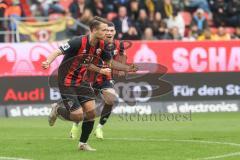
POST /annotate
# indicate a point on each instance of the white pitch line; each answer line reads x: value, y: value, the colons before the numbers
x: 176, y: 140
x: 134, y: 139
x: 221, y: 156
x: 12, y: 158
x: 210, y: 142
x: 155, y: 140
x: 190, y: 141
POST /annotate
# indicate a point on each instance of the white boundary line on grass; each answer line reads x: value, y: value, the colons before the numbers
x: 137, y: 139
x: 175, y: 140
x: 221, y: 156
x: 156, y: 140
x: 190, y: 141
x: 12, y: 158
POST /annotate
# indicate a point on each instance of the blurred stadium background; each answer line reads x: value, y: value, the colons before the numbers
x: 198, y: 42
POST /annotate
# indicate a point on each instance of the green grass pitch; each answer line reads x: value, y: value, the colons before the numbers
x: 208, y: 136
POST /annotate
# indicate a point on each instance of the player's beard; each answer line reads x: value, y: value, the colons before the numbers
x: 100, y: 37
x: 109, y: 38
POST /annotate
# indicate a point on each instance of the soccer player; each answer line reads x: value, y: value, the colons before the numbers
x: 74, y: 79
x: 76, y: 92
x: 105, y: 83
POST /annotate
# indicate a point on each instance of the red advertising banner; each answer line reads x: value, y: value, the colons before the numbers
x: 188, y: 57
x: 24, y: 59
x: 179, y: 57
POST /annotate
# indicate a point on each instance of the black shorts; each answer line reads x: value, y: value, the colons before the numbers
x: 105, y: 85
x: 74, y: 97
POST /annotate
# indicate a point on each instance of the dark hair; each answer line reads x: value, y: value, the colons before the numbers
x: 110, y: 24
x: 103, y: 20
x: 96, y: 21
x: 94, y: 24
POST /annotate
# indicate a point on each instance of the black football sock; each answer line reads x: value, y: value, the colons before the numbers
x: 63, y: 112
x: 87, y: 127
x: 107, y: 109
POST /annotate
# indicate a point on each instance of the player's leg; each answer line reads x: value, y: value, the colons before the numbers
x: 87, y: 125
x: 75, y: 130
x: 69, y: 108
x: 110, y: 98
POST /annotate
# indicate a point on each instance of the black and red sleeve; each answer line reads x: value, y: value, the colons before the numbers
x: 107, y: 54
x: 71, y: 47
x: 121, y: 48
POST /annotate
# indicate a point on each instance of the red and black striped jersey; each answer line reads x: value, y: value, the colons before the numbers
x: 116, y: 50
x: 77, y: 53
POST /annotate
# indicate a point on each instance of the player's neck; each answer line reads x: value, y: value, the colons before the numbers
x: 92, y: 40
x: 110, y: 40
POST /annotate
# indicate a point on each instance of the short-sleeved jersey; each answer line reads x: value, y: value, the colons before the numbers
x: 116, y: 50
x: 77, y: 54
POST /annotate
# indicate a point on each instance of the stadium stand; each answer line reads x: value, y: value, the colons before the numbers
x: 162, y: 18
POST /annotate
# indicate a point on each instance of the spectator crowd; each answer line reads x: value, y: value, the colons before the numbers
x: 144, y: 19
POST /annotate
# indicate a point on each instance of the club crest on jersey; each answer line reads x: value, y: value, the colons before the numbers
x: 115, y: 52
x: 98, y: 51
x: 70, y: 103
x: 88, y: 59
x: 84, y: 51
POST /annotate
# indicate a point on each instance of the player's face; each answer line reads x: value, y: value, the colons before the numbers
x: 100, y: 32
x: 110, y: 33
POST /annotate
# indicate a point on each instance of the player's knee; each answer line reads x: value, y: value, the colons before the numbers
x: 90, y: 115
x: 77, y: 117
x: 110, y: 102
x: 110, y: 98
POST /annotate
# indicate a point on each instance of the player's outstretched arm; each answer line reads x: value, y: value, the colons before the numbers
x: 122, y: 67
x: 51, y: 58
x: 104, y: 71
x: 123, y: 60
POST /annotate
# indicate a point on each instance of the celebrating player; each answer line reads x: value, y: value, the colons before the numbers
x: 76, y: 92
x: 105, y: 84
x: 74, y: 78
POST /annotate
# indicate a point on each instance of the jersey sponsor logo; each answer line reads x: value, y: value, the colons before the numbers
x: 65, y: 46
x: 84, y: 51
x: 98, y: 51
x: 115, y: 52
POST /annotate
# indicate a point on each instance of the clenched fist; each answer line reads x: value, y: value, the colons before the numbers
x: 133, y: 68
x: 106, y: 71
x: 45, y: 64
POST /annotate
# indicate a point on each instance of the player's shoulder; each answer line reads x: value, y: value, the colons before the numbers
x: 102, y: 43
x: 77, y: 41
x: 78, y: 38
x: 118, y: 42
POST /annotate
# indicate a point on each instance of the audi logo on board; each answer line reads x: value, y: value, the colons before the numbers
x: 133, y: 91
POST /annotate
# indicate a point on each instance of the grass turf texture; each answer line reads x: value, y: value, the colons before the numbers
x: 32, y: 138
